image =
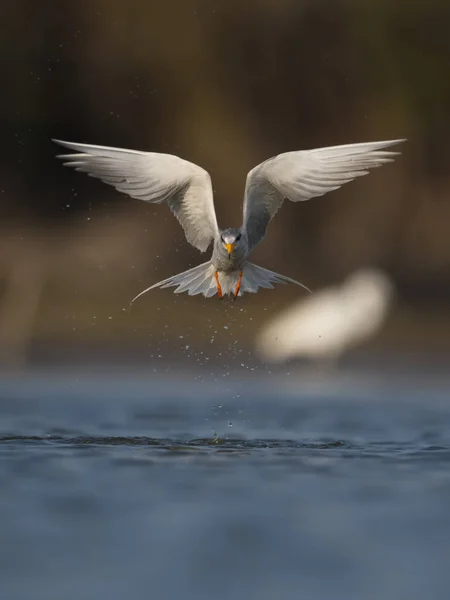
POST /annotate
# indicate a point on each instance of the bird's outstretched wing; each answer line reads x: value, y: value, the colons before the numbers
x: 156, y: 178
x: 303, y: 175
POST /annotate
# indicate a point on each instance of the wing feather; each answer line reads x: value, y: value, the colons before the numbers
x: 156, y: 178
x: 305, y: 174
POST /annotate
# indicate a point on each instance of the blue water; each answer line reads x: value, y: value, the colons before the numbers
x: 270, y: 488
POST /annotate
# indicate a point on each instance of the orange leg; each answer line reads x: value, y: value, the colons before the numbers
x: 219, y: 289
x: 238, y: 286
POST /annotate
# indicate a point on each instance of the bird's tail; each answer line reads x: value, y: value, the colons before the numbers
x: 201, y: 280
x: 255, y: 277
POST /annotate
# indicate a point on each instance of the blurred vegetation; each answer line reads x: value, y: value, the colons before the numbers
x: 225, y: 84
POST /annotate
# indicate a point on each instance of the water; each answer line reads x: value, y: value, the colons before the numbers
x: 269, y: 488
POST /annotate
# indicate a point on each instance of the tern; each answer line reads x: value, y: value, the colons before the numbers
x: 187, y: 189
x: 324, y: 326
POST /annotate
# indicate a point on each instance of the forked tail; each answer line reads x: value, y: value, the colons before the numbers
x: 201, y: 280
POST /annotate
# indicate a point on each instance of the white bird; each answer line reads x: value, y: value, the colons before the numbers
x: 327, y: 324
x: 187, y: 189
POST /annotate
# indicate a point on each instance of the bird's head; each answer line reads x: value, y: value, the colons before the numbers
x: 230, y: 239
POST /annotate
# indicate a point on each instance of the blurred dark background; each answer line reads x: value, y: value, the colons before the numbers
x: 225, y: 84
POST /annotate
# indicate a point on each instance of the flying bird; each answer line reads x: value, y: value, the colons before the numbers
x: 324, y: 326
x: 187, y: 189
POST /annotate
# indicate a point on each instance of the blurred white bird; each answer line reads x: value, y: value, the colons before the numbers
x: 187, y: 189
x: 327, y: 324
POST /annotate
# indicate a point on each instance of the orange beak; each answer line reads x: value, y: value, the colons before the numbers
x: 230, y: 248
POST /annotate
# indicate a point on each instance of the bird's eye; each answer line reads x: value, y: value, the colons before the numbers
x: 238, y: 237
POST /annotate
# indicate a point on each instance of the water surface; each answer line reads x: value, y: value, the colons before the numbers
x: 266, y: 487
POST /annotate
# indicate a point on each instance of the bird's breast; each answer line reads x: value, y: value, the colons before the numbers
x: 228, y: 263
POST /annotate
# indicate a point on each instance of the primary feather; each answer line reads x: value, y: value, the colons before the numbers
x: 303, y: 175
x: 156, y: 178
